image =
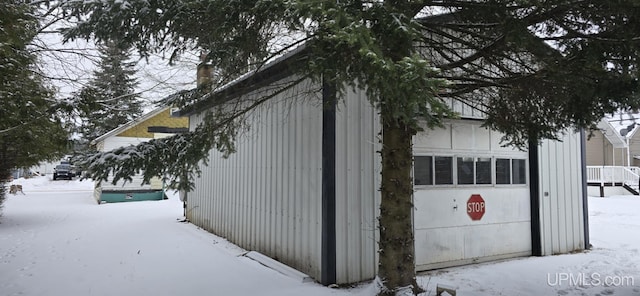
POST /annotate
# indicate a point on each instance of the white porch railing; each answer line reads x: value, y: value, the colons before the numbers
x: 629, y: 176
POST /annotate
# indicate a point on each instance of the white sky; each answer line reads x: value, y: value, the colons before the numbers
x: 71, y: 65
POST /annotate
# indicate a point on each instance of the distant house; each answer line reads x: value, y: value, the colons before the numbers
x: 303, y: 186
x: 613, y: 156
x: 155, y: 124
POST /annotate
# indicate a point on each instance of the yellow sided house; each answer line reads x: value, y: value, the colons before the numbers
x: 153, y: 125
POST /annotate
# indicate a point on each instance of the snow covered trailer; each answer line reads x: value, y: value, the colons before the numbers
x: 302, y: 187
x: 155, y: 124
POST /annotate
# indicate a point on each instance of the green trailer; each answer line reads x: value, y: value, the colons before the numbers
x: 130, y: 195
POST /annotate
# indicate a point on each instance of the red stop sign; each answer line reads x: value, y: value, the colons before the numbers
x: 475, y: 207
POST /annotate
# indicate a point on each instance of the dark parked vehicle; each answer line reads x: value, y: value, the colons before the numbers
x: 63, y: 171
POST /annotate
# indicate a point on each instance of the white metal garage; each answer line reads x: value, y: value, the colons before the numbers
x: 303, y: 186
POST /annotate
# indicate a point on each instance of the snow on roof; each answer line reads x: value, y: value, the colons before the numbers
x: 625, y: 124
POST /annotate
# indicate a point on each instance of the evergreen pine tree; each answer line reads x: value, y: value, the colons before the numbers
x: 109, y: 100
x: 30, y: 127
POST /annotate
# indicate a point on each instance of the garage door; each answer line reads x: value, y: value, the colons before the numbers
x: 471, y: 197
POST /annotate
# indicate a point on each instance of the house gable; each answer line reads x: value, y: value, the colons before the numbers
x: 163, y: 119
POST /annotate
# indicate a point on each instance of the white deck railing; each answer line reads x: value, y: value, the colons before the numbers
x: 629, y: 176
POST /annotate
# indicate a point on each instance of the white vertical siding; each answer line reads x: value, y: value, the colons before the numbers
x: 357, y: 182
x: 267, y: 196
x: 561, y: 201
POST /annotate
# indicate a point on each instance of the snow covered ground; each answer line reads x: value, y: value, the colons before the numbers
x: 55, y: 240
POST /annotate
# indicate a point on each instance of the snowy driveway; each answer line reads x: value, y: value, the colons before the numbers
x: 56, y: 241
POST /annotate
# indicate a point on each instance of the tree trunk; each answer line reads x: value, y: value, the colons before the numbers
x: 396, y: 268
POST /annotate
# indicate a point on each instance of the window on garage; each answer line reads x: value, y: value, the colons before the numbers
x: 483, y: 170
x: 430, y: 170
x: 511, y: 171
x: 519, y: 168
x: 465, y: 170
x: 503, y: 171
x: 422, y: 170
x: 469, y: 170
x: 443, y: 170
x: 473, y: 170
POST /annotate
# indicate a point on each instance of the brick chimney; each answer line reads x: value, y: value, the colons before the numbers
x: 205, y: 71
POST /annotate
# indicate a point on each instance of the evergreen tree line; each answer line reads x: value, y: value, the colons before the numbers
x: 37, y: 126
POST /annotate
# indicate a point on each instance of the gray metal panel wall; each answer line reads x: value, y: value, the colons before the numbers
x: 561, y: 211
x: 267, y: 196
x: 357, y: 182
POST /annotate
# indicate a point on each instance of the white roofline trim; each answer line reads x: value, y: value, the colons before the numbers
x: 611, y: 134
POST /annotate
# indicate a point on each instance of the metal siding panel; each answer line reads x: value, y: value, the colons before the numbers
x: 575, y: 196
x: 377, y: 180
x: 273, y: 200
x: 552, y: 181
x: 341, y: 191
x: 579, y: 202
x: 354, y: 224
x: 302, y: 202
x: 290, y: 153
x: 315, y: 189
x: 262, y: 193
x: 215, y: 198
x: 282, y: 143
x: 269, y: 185
x: 306, y: 198
x: 370, y: 170
x: 241, y: 177
x: 235, y: 224
x: 222, y: 216
x: 258, y: 197
x: 559, y: 195
x: 579, y: 198
x: 578, y: 233
x: 545, y: 204
x: 232, y: 198
x: 277, y: 198
x: 247, y: 202
x: 341, y: 181
x: 356, y: 189
x: 561, y: 211
x: 253, y: 193
x: 569, y: 191
x: 279, y: 250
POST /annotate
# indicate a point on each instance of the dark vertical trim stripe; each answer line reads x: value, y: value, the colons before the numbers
x: 328, y: 253
x: 585, y: 194
x: 534, y: 196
